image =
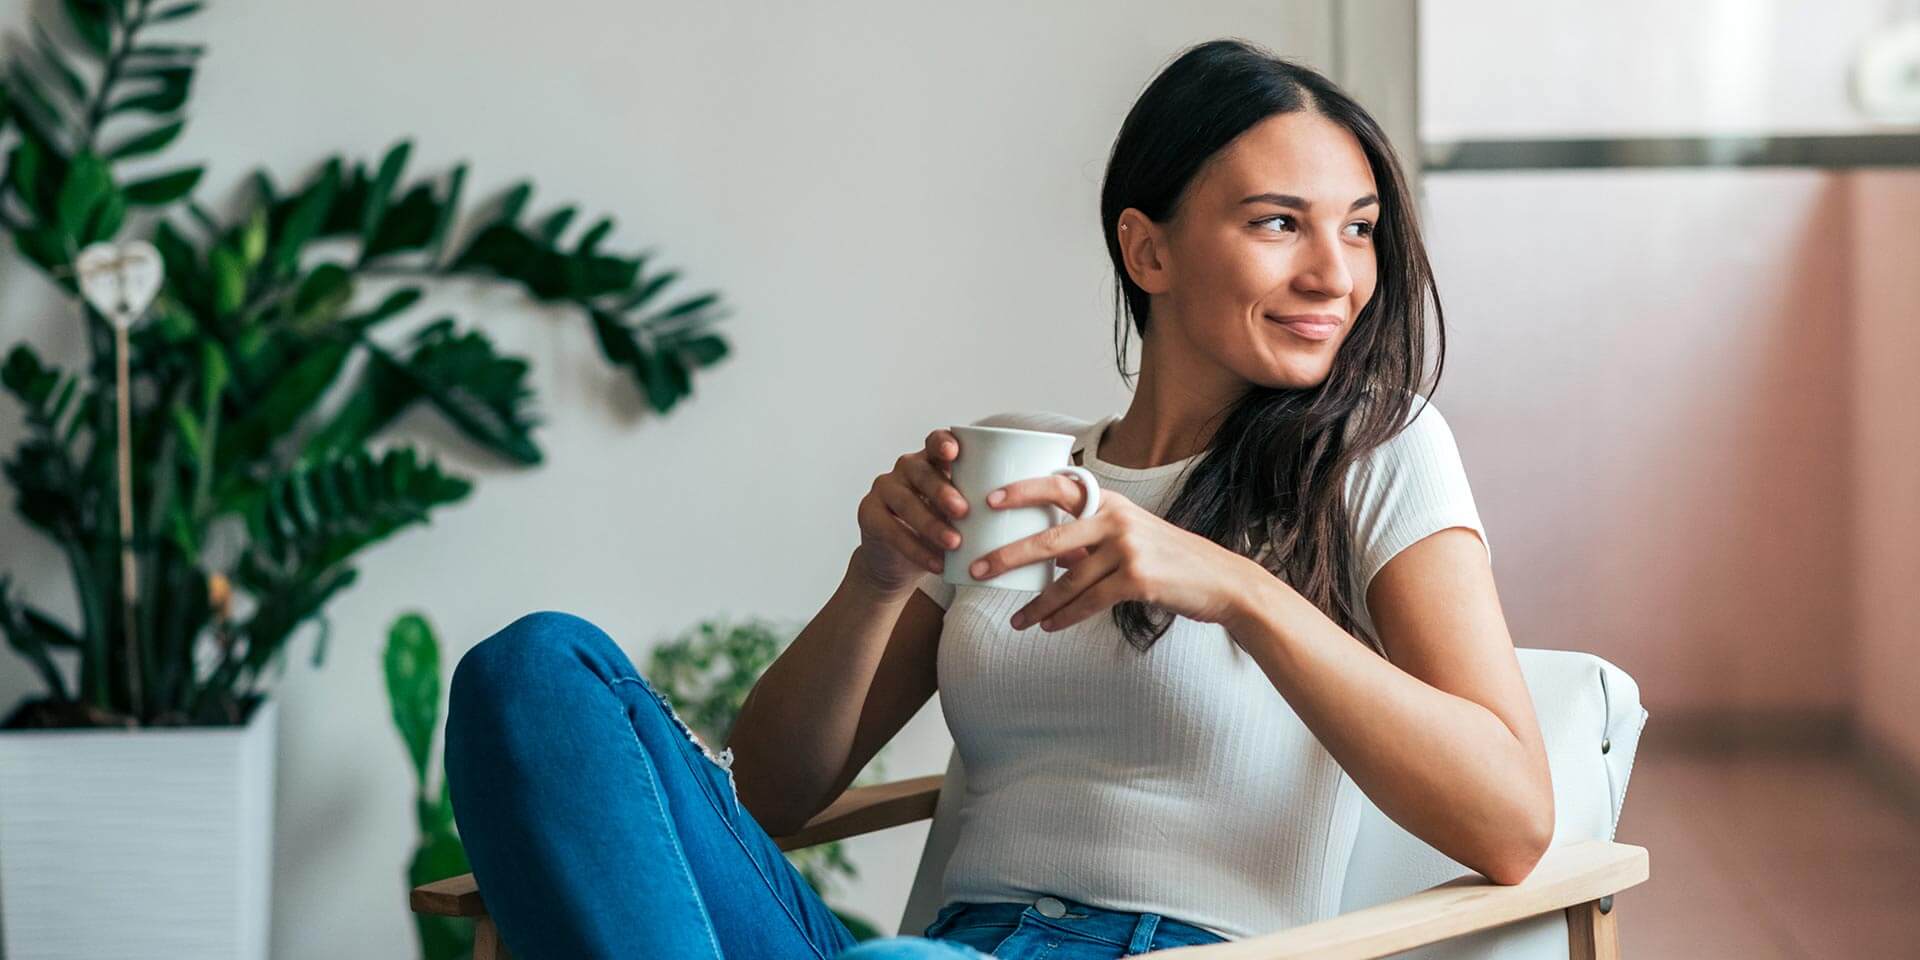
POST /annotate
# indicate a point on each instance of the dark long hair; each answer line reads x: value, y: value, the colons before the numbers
x: 1271, y: 484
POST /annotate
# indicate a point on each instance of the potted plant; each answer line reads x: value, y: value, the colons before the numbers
x: 705, y: 672
x: 214, y: 464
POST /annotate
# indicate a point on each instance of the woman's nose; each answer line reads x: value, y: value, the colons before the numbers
x: 1324, y: 269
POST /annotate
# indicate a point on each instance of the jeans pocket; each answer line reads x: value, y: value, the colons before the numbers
x: 985, y: 936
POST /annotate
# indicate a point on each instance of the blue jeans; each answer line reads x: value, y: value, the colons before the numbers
x: 598, y: 827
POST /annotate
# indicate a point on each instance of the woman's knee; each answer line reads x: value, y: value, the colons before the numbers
x: 530, y: 646
x: 910, y: 948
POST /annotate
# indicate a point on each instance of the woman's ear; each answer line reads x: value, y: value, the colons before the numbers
x: 1143, y: 250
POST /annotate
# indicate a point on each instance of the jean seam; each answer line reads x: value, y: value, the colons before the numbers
x: 673, y: 834
x: 725, y: 821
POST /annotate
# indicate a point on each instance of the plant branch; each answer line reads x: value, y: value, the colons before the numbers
x: 97, y: 111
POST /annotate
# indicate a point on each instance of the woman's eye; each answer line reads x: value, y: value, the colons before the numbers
x: 1366, y: 228
x: 1275, y: 218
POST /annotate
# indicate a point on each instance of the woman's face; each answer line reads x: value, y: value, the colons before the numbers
x: 1277, y: 226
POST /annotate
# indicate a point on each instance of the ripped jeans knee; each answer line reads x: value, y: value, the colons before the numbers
x: 723, y: 759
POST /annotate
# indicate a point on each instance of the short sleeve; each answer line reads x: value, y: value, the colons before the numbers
x: 1410, y: 487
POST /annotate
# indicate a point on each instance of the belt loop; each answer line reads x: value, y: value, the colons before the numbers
x: 1143, y: 934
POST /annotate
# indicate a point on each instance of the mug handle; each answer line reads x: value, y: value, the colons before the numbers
x: 1088, y: 483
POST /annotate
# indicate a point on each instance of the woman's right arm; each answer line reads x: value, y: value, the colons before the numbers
x: 858, y: 672
x: 865, y: 664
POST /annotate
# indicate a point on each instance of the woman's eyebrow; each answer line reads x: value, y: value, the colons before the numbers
x: 1289, y: 200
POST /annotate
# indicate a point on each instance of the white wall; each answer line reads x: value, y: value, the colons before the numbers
x: 886, y: 194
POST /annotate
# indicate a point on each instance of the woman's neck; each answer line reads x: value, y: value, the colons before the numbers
x: 1168, y: 419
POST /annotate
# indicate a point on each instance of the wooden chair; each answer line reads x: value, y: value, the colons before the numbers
x: 1400, y: 894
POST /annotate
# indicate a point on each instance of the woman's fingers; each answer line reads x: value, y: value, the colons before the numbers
x: 907, y: 505
x: 934, y: 487
x: 900, y: 537
x: 942, y: 446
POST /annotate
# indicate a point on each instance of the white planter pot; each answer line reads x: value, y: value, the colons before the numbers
x: 137, y: 843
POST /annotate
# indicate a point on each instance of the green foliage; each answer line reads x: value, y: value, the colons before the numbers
x: 267, y: 370
x: 706, y: 673
x: 413, y: 688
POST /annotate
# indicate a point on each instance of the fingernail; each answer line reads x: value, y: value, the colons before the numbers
x: 979, y: 568
x: 1019, y: 621
x: 953, y: 540
x: 995, y: 497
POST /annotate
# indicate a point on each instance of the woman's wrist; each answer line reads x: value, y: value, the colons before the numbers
x: 860, y: 577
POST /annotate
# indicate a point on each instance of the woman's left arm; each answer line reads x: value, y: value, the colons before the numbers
x: 1443, y: 739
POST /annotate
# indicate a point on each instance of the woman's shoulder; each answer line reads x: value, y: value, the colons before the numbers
x: 1050, y: 421
x: 1422, y: 436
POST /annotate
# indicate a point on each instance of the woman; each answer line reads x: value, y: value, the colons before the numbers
x: 1285, y: 597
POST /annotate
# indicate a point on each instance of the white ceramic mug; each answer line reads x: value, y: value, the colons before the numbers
x: 991, y: 458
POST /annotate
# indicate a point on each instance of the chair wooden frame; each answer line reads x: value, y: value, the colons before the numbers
x: 1579, y: 878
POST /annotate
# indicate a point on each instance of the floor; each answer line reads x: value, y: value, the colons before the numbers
x: 1792, y: 855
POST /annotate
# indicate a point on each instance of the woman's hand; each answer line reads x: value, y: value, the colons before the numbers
x: 903, y: 517
x: 1122, y: 552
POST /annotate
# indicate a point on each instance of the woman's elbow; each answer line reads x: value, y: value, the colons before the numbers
x: 1523, y: 849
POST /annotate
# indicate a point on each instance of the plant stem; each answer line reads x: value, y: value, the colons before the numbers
x: 129, y: 584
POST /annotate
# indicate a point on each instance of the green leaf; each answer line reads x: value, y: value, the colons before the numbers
x: 484, y: 393
x: 407, y: 225
x: 90, y: 21
x: 165, y: 188
x: 153, y: 141
x: 590, y: 240
x: 106, y: 218
x: 292, y: 395
x: 24, y: 171
x: 413, y: 687
x: 44, y: 246
x: 514, y: 201
x: 380, y: 193
x: 35, y: 109
x: 647, y: 290
x: 229, y: 280
x: 176, y: 12
x: 306, y: 218
x: 555, y: 224
x: 322, y: 295
x: 169, y: 93
x: 69, y: 77
x: 694, y: 305
x: 395, y: 303
x: 188, y: 428
x: 443, y: 222
x: 253, y: 239
x: 87, y: 183
x: 402, y: 489
x: 32, y: 636
x: 705, y: 350
x: 168, y: 51
x: 617, y: 341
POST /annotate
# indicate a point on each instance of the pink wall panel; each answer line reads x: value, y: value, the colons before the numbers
x: 1648, y: 378
x: 1886, y: 274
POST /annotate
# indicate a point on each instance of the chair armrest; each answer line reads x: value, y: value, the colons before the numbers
x: 857, y: 811
x: 1567, y: 876
x: 453, y: 897
x: 868, y: 809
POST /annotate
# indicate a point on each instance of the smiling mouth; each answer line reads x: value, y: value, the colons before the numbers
x: 1309, y: 327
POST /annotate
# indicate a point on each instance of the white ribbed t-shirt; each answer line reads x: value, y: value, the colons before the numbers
x: 1177, y: 781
